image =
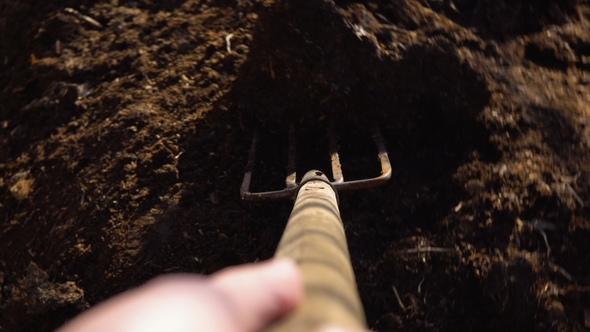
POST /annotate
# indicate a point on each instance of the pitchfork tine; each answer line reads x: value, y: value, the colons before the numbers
x: 291, y: 180
x: 334, y: 157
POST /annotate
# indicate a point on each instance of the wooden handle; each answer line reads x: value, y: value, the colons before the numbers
x: 315, y: 239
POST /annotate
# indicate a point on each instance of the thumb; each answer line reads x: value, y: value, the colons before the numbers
x: 256, y: 295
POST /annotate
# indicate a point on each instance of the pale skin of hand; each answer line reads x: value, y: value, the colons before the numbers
x: 246, y: 298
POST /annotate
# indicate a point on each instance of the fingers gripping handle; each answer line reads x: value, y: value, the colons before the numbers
x: 315, y: 239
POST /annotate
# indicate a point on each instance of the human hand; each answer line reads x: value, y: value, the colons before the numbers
x: 241, y: 299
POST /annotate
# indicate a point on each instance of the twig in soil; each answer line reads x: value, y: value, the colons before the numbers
x: 539, y: 225
x: 228, y: 42
x: 567, y: 185
x: 420, y: 286
x: 83, y: 17
x: 561, y: 270
x: 382, y: 17
x: 388, y: 25
x: 82, y: 198
x: 452, y: 5
x: 399, y: 300
x: 542, y: 232
x: 426, y: 249
x: 571, y: 190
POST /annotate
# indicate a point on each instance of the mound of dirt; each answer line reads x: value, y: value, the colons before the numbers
x: 125, y: 130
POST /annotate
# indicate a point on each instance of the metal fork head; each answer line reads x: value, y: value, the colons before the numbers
x: 292, y: 187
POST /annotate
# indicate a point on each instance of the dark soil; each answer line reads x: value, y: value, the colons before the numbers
x: 124, y: 142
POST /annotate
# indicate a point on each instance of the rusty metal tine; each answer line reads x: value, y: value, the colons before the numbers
x: 291, y: 180
x: 383, y: 156
x: 270, y: 195
x: 385, y: 168
x: 291, y: 191
x: 334, y: 157
x: 245, y: 188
